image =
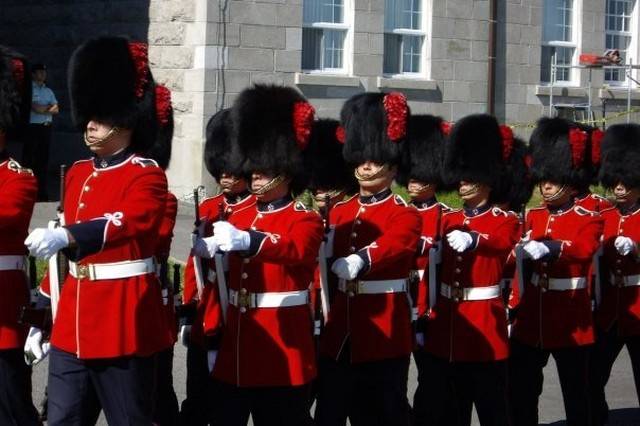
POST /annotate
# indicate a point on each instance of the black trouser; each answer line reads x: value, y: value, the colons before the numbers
x: 447, y: 392
x: 268, y: 406
x: 165, y: 412
x: 16, y: 405
x: 194, y: 408
x: 368, y: 393
x: 525, y: 374
x: 35, y: 155
x: 605, y: 351
x: 123, y: 387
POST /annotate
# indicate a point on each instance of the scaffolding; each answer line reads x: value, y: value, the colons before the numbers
x: 589, y: 107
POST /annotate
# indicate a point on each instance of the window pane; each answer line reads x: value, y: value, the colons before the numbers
x: 330, y: 11
x: 402, y: 14
x: 558, y: 20
x: 411, y: 49
x: 617, y: 33
x: 392, y: 46
x: 564, y: 56
x: 333, y: 48
x: 311, y: 48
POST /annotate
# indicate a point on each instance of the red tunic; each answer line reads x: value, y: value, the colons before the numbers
x: 163, y: 250
x: 208, y: 318
x: 115, y: 214
x: 558, y: 319
x: 474, y: 331
x: 621, y: 304
x: 378, y: 326
x: 593, y: 202
x: 271, y: 346
x: 18, y: 189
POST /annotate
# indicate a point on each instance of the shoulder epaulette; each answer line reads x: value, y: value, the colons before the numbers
x: 14, y: 166
x: 444, y: 207
x: 300, y: 207
x: 399, y: 200
x: 497, y: 211
x: 451, y: 211
x: 584, y: 212
x: 144, y: 162
x: 345, y: 201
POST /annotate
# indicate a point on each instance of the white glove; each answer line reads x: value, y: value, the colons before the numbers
x: 348, y: 267
x: 230, y: 238
x: 185, y: 335
x: 459, y: 241
x: 205, y: 247
x: 420, y: 339
x: 535, y: 249
x: 211, y: 359
x: 44, y: 243
x: 624, y: 245
x: 34, y: 349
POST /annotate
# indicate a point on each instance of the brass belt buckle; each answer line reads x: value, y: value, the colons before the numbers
x: 244, y: 300
x: 457, y: 293
x: 618, y: 281
x: 351, y: 287
x: 83, y: 271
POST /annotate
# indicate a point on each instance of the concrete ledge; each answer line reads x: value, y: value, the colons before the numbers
x: 571, y: 92
x: 618, y: 93
x: 302, y: 78
x: 407, y: 83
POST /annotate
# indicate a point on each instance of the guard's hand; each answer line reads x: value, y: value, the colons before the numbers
x: 459, y: 241
x: 44, y: 243
x: 230, y: 238
x: 348, y: 267
x: 211, y: 359
x: 205, y: 247
x: 624, y: 245
x: 34, y: 349
x: 535, y: 249
x: 185, y: 335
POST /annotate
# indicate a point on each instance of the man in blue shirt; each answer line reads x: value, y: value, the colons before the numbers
x: 44, y: 106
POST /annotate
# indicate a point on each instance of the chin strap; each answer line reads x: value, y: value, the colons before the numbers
x: 559, y: 193
x: 368, y: 178
x: 474, y: 189
x: 269, y: 185
x: 101, y: 141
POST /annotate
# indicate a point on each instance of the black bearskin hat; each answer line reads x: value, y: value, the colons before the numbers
x: 15, y: 92
x: 328, y: 168
x: 621, y: 156
x: 160, y: 151
x: 217, y: 149
x: 515, y: 185
x: 473, y: 152
x: 559, y: 153
x: 375, y: 127
x: 424, y: 150
x: 272, y: 125
x: 110, y: 81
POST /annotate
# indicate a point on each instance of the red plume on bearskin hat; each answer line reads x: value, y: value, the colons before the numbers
x: 621, y: 156
x: 272, y: 125
x: 328, y: 169
x: 474, y: 151
x: 424, y: 150
x: 110, y: 81
x: 560, y: 154
x: 375, y: 127
x: 15, y: 92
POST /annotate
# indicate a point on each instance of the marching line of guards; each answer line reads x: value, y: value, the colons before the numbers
x: 284, y: 307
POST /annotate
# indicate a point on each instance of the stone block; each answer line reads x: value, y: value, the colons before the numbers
x: 176, y: 57
x: 459, y: 8
x: 262, y: 36
x: 470, y: 71
x: 293, y: 38
x: 243, y: 12
x: 289, y: 15
x: 518, y: 14
x: 480, y: 51
x: 369, y: 22
x: 168, y: 34
x: 361, y: 43
x: 367, y: 65
x: 450, y: 49
x: 456, y: 91
x: 226, y: 35
x: 515, y: 93
x: 288, y: 60
x: 200, y: 80
x: 441, y: 69
x: 250, y: 59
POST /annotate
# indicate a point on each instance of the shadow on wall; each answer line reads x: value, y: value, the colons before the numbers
x: 48, y: 32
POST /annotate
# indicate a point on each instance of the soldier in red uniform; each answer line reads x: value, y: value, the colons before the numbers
x: 266, y: 360
x: 618, y: 316
x: 235, y: 197
x: 19, y: 190
x: 554, y: 315
x: 466, y: 335
x: 110, y: 320
x: 367, y: 341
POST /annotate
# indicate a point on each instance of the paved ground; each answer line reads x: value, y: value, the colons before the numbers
x: 620, y: 391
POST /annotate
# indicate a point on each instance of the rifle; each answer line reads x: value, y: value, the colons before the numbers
x: 435, y: 259
x: 176, y: 287
x: 198, y: 265
x: 223, y: 292
x: 321, y: 308
x: 57, y: 263
x: 521, y: 262
x: 600, y: 271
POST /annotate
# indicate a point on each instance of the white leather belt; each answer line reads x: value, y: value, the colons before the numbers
x: 282, y: 299
x: 458, y: 294
x: 372, y: 286
x: 113, y: 271
x: 625, y: 280
x: 559, y: 284
x: 12, y: 263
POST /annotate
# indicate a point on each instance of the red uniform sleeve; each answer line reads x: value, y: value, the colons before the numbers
x: 17, y: 202
x: 165, y: 234
x: 586, y: 243
x: 501, y: 240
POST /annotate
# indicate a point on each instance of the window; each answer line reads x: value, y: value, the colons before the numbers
x: 618, y: 34
x: 404, y: 37
x: 558, y: 39
x: 324, y: 35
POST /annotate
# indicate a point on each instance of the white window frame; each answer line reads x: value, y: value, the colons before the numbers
x: 348, y: 16
x: 632, y: 50
x: 576, y: 36
x: 426, y: 23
